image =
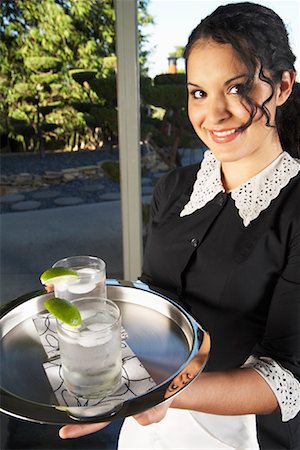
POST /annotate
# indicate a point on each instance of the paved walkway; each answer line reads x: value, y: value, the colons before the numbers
x: 32, y: 241
x: 33, y: 238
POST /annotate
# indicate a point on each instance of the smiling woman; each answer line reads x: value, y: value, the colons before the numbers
x: 233, y: 114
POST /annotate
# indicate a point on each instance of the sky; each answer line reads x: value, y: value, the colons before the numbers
x: 175, y: 19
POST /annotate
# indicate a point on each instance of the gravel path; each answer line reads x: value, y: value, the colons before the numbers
x: 34, y: 163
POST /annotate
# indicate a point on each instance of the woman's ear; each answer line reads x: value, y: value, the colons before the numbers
x: 285, y: 86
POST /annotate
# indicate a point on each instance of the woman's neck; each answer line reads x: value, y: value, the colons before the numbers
x: 238, y: 172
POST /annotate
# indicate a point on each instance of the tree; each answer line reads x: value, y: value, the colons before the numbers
x: 78, y: 35
x: 166, y: 135
x: 177, y: 52
x: 100, y: 110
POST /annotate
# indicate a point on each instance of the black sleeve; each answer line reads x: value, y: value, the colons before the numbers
x: 281, y: 340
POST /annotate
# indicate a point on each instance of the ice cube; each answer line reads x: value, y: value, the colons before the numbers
x: 97, y: 326
x: 87, y: 341
x: 70, y: 332
x: 91, y: 339
x: 86, y: 270
x: 81, y: 288
x: 94, y: 275
x: 103, y: 339
x: 87, y: 314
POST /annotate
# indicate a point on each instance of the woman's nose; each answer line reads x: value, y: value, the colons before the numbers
x: 217, y: 109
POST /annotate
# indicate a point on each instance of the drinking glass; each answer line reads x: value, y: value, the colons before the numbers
x: 91, y: 279
x: 91, y: 355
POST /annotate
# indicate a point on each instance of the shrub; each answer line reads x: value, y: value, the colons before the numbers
x: 112, y: 170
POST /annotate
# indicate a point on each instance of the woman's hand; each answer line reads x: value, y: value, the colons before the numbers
x: 153, y: 415
x: 49, y: 288
x: 75, y: 431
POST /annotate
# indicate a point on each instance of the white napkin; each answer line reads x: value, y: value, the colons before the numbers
x: 135, y: 378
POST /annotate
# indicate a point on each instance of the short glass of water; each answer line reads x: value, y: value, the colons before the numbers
x: 90, y: 279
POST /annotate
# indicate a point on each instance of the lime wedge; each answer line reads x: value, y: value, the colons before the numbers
x: 51, y: 276
x: 64, y: 310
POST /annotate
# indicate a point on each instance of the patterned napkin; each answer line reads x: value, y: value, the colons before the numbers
x: 135, y: 378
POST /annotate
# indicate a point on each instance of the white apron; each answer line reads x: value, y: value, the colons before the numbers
x: 187, y: 430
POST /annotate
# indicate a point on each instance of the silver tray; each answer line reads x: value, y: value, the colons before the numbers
x: 165, y: 338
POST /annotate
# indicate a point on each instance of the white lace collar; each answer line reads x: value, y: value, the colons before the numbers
x: 250, y: 198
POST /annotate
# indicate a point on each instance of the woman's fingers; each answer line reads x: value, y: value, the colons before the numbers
x: 153, y: 415
x: 49, y: 288
x: 75, y: 431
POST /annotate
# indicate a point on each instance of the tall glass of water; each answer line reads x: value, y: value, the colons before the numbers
x: 91, y: 355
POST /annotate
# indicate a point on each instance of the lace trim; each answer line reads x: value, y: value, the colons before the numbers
x: 250, y: 198
x: 207, y: 185
x: 282, y: 382
x: 253, y: 197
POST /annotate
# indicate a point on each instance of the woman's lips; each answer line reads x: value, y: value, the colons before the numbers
x: 224, y: 136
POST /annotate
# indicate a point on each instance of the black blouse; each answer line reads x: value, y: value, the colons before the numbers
x: 241, y: 283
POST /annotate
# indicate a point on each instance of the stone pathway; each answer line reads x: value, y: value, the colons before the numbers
x: 54, y: 198
x: 28, y: 205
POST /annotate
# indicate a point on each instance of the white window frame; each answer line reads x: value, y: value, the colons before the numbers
x: 128, y: 93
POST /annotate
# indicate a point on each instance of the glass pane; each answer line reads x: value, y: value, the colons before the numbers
x: 60, y: 192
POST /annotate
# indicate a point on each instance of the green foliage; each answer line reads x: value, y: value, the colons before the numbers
x: 112, y: 169
x: 100, y: 113
x: 82, y: 75
x: 107, y: 117
x: 105, y: 88
x: 177, y: 52
x: 170, y: 79
x: 167, y: 91
x: 21, y: 127
x: 43, y: 63
x: 84, y: 107
x: 57, y: 58
x: 166, y: 96
x: 58, y: 83
x: 44, y: 110
x: 167, y: 128
x: 48, y: 126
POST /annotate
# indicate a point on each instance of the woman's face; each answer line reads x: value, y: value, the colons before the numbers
x: 215, y: 78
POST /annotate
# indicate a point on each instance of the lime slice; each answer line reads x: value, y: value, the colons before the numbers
x: 64, y: 310
x: 51, y: 276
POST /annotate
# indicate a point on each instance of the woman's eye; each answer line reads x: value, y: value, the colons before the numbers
x: 198, y: 94
x: 237, y: 89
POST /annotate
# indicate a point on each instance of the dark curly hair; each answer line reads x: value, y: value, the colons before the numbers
x: 260, y: 38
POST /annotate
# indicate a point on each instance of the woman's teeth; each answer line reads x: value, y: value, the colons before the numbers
x: 223, y: 133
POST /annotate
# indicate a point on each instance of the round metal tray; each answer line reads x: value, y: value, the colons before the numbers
x: 166, y: 339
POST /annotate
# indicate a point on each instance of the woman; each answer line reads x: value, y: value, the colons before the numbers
x: 225, y: 238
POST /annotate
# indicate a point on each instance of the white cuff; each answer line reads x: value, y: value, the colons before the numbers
x: 282, y: 382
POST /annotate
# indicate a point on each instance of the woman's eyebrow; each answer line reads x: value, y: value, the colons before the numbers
x: 192, y: 84
x: 242, y: 75
x: 236, y: 77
